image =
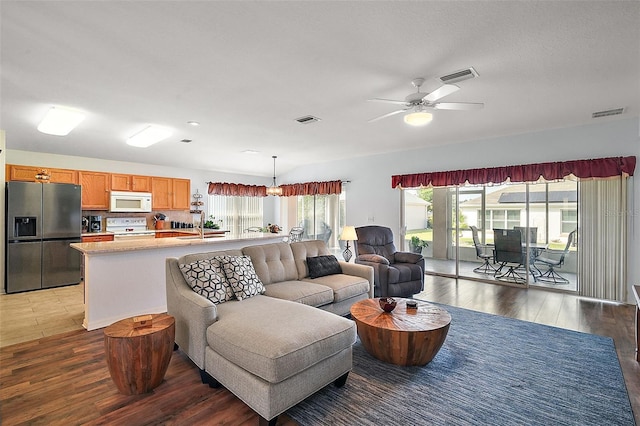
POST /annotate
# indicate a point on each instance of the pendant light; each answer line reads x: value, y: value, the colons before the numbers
x: 274, y: 189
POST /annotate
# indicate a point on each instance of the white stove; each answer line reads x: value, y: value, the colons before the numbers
x: 129, y: 227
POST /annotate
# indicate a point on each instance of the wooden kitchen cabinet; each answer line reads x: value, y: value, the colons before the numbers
x: 181, y: 194
x: 170, y: 194
x: 134, y: 183
x: 28, y: 174
x: 95, y: 190
x: 96, y: 238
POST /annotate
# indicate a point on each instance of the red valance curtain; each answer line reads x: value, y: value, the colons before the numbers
x: 308, y: 188
x: 594, y: 168
x: 312, y: 188
x: 236, y: 189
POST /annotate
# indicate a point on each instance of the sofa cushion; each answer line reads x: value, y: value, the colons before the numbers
x: 273, y: 262
x: 312, y: 294
x: 303, y: 249
x: 276, y: 339
x: 241, y: 276
x: 320, y: 266
x: 343, y: 286
x: 206, y: 277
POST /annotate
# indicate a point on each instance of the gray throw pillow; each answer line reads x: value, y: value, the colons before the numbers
x: 206, y: 277
x: 242, y: 276
x: 320, y: 266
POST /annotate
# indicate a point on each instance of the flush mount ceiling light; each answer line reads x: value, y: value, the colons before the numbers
x: 193, y: 123
x: 418, y: 117
x: 274, y: 189
x: 149, y: 135
x: 59, y: 121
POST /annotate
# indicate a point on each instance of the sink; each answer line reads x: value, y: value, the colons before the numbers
x: 197, y: 237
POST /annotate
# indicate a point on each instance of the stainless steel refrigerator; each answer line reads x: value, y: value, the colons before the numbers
x: 42, y: 220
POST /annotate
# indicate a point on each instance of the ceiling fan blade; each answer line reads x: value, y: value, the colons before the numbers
x: 463, y: 106
x: 389, y: 101
x: 388, y: 115
x: 441, y: 92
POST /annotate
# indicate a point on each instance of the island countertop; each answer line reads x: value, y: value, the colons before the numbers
x: 157, y: 243
x: 126, y: 278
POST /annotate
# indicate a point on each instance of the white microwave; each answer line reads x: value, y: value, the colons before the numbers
x: 122, y: 201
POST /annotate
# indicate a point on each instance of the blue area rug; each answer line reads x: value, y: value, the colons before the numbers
x: 491, y: 370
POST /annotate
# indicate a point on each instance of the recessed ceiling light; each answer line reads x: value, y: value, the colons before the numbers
x: 149, y: 135
x: 193, y: 123
x: 59, y: 121
x: 250, y: 151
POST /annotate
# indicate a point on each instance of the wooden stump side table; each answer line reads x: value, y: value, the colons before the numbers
x: 404, y: 336
x: 138, y: 358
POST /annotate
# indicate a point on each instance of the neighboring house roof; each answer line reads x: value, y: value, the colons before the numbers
x: 539, y: 197
x: 412, y: 198
x: 516, y: 193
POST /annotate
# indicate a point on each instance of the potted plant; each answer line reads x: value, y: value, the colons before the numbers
x: 417, y: 244
x: 212, y: 223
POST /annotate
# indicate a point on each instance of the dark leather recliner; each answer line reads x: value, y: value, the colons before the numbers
x: 396, y: 274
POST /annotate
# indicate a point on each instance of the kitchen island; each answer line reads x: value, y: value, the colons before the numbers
x: 127, y: 278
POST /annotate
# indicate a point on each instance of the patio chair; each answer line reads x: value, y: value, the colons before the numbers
x: 483, y: 252
x: 509, y: 254
x: 554, y: 259
x: 295, y: 235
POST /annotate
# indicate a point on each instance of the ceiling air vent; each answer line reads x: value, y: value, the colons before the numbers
x: 461, y: 75
x: 186, y: 140
x: 307, y: 119
x: 607, y: 113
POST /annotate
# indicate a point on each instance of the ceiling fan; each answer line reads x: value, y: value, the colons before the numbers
x: 418, y: 103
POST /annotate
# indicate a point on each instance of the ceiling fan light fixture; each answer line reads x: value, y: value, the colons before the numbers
x: 274, y: 189
x: 418, y: 118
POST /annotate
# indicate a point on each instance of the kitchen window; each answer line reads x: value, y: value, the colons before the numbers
x: 236, y: 213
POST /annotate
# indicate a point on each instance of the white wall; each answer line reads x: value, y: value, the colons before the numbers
x: 198, y: 177
x: 371, y: 200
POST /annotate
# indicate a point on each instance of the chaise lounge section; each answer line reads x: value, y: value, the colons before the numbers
x: 271, y: 350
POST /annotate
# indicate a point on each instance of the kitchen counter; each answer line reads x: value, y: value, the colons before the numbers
x: 126, y: 278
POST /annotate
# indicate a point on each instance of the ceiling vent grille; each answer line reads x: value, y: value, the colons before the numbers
x: 461, y: 75
x: 607, y: 113
x: 307, y: 119
x: 186, y: 140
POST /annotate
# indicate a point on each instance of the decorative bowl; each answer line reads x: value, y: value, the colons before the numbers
x: 387, y: 304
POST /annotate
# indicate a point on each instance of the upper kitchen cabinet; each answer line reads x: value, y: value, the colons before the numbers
x: 130, y: 183
x: 28, y: 174
x: 95, y: 190
x: 170, y: 194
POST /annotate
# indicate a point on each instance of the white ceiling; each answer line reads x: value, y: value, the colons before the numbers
x: 245, y: 70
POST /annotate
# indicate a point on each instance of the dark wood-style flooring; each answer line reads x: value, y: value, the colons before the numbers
x: 63, y: 379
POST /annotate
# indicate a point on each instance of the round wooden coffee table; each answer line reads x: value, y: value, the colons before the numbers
x: 138, y: 358
x: 403, y: 336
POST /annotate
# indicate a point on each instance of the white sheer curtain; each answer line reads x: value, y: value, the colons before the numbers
x: 602, y: 253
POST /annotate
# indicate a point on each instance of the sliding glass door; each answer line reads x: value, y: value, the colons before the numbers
x: 460, y: 222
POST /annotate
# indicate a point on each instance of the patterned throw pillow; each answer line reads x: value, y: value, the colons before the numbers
x: 242, y: 276
x: 206, y: 277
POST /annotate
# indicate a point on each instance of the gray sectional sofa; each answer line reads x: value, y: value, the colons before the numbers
x: 275, y: 348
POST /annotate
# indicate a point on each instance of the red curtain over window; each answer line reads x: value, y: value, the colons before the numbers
x: 236, y: 189
x: 594, y: 168
x: 308, y: 188
x: 312, y: 188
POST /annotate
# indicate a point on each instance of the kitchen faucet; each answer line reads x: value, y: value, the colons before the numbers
x: 201, y: 227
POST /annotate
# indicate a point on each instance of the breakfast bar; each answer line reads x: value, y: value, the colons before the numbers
x: 127, y: 278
